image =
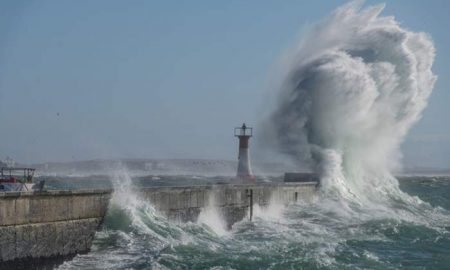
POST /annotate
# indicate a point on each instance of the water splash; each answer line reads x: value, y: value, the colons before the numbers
x: 273, y: 211
x: 310, y: 235
x: 352, y: 89
x: 212, y: 218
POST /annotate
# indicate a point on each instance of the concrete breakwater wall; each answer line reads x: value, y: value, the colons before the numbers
x: 234, y: 202
x: 62, y: 223
x: 49, y: 224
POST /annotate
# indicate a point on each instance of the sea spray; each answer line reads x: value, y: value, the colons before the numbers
x: 274, y: 211
x: 212, y: 217
x: 126, y: 199
x: 351, y: 91
x: 308, y: 235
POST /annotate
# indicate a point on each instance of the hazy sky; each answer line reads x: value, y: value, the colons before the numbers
x: 170, y: 79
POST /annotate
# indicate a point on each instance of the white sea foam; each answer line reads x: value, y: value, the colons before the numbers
x: 212, y: 218
x: 274, y: 211
x: 351, y: 90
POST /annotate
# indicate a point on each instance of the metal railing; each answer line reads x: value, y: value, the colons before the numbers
x: 21, y: 175
x: 240, y: 131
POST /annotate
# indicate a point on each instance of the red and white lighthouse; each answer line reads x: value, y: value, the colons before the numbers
x: 244, y: 170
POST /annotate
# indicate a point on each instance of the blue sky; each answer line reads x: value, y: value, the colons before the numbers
x: 169, y: 79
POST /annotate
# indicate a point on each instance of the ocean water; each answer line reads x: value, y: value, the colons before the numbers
x: 317, y: 235
x: 345, y: 97
x: 348, y: 94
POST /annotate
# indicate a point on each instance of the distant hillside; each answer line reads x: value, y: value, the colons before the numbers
x: 184, y: 167
x: 156, y: 167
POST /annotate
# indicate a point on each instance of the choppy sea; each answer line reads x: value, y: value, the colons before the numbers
x: 307, y: 235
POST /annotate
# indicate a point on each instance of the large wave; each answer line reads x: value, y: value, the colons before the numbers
x: 351, y: 91
x: 304, y: 235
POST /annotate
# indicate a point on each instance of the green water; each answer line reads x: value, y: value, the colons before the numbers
x: 303, y: 236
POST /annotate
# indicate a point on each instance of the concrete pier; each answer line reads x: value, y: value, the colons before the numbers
x: 35, y: 225
x: 59, y: 224
x: 234, y: 202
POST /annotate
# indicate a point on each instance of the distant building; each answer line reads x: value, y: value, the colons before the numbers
x: 10, y: 162
x: 148, y: 166
x: 153, y: 165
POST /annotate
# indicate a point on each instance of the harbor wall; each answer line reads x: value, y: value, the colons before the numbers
x: 49, y: 223
x: 234, y: 202
x: 58, y: 224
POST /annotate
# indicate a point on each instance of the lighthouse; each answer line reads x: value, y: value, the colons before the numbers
x: 244, y: 170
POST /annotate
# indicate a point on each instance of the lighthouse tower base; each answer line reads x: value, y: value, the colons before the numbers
x: 244, y: 170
